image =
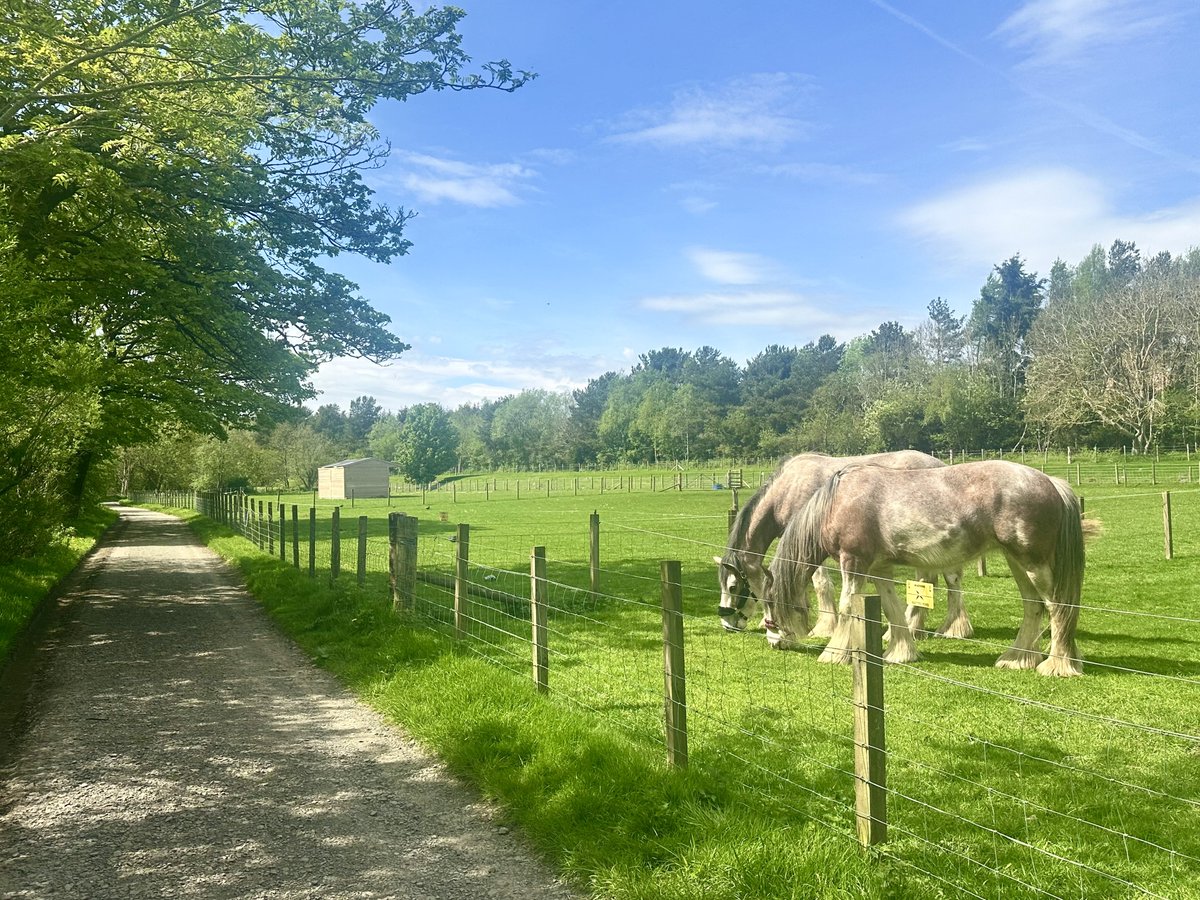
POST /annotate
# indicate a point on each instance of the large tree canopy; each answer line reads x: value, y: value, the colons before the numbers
x: 172, y: 176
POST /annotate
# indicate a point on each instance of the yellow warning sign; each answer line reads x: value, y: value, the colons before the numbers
x: 920, y: 593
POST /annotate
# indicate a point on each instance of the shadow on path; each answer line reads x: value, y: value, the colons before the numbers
x: 176, y: 745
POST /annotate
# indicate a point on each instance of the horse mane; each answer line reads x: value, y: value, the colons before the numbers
x: 800, y: 544
x: 741, y: 522
x: 739, y: 531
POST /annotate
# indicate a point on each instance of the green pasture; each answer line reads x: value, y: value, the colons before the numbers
x: 1002, y: 784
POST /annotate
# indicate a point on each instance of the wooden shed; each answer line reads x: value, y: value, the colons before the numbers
x: 353, y: 478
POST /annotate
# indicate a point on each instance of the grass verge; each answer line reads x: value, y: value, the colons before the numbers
x: 25, y: 583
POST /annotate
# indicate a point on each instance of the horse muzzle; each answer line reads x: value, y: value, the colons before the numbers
x: 732, y: 618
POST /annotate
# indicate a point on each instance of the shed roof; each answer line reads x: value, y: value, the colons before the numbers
x: 350, y: 462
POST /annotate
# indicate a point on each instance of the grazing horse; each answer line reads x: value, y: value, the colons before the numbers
x: 741, y: 571
x: 870, y: 518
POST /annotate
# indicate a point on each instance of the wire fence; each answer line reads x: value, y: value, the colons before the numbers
x: 999, y: 783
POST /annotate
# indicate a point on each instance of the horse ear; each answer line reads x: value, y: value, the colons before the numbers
x: 717, y: 560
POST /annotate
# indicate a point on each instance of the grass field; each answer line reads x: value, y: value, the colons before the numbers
x: 1001, y: 783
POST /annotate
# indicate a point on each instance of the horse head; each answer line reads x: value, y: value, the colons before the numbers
x: 735, y: 592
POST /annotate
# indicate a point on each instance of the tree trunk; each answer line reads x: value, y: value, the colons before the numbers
x: 77, y: 489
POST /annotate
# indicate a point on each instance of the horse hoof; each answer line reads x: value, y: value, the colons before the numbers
x: 898, y: 655
x: 1060, y: 666
x: 823, y: 629
x: 836, y: 657
x: 960, y: 630
x: 1019, y: 659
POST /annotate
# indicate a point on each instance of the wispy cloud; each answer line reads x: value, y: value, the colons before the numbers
x: 1094, y: 120
x: 1042, y: 214
x: 728, y: 267
x: 433, y: 179
x: 759, y: 110
x: 823, y: 173
x: 450, y: 381
x: 786, y: 311
x: 1056, y: 32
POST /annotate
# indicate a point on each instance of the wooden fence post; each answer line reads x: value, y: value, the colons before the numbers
x: 674, y: 680
x: 1168, y: 544
x: 295, y: 535
x: 594, y: 553
x: 312, y: 542
x: 394, y: 556
x: 406, y: 562
x: 282, y: 533
x: 335, y: 543
x: 462, y: 558
x: 870, y: 753
x: 271, y: 528
x: 537, y: 616
x: 362, y: 550
x: 258, y: 527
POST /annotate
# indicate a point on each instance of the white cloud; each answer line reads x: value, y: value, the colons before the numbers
x: 433, y: 179
x: 727, y: 267
x: 449, y: 381
x: 823, y: 173
x: 1055, y: 32
x: 1043, y: 214
x: 757, y: 110
x: 790, y: 311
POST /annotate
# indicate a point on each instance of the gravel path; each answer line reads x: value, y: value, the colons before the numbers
x: 176, y: 745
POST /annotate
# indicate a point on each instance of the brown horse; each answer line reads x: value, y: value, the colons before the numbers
x: 871, y: 518
x: 741, y: 571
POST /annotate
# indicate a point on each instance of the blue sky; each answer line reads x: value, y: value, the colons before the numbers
x: 699, y: 173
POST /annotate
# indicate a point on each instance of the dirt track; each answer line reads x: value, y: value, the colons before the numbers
x: 175, y: 745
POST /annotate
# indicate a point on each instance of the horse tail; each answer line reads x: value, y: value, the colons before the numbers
x: 1067, y: 573
x: 1069, y: 554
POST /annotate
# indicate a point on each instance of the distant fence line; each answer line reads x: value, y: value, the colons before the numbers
x: 1077, y: 466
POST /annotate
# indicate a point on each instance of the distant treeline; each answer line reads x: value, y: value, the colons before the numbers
x: 1103, y: 353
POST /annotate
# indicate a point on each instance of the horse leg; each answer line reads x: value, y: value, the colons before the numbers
x: 901, y: 646
x: 828, y: 616
x: 838, y: 648
x: 1064, y: 659
x: 1024, y: 653
x: 957, y: 625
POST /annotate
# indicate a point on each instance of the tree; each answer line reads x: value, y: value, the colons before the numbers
x: 421, y: 441
x: 364, y: 413
x: 587, y: 408
x: 299, y: 450
x: 330, y: 422
x: 943, y: 337
x: 530, y: 429
x: 172, y: 176
x: 1115, y: 357
x: 1001, y: 318
x: 473, y: 423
